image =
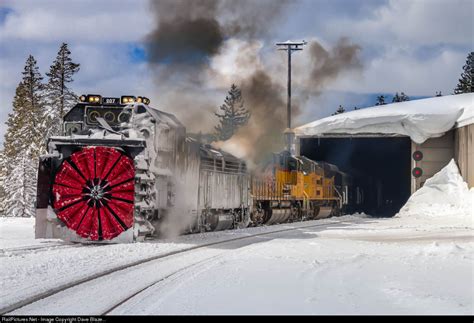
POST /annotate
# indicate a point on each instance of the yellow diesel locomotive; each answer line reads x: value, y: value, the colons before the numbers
x: 294, y: 188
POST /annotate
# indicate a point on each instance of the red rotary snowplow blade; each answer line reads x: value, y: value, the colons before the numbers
x: 93, y: 192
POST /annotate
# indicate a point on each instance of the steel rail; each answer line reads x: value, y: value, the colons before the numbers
x: 24, y: 250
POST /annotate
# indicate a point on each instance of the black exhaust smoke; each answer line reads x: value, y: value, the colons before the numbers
x: 188, y: 34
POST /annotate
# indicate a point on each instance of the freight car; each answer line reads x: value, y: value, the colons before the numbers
x: 123, y: 170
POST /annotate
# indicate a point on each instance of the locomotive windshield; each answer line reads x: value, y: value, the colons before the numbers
x: 288, y: 162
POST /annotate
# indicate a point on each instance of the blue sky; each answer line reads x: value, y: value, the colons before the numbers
x: 415, y: 46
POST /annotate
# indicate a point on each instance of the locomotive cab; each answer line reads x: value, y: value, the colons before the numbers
x: 287, y: 167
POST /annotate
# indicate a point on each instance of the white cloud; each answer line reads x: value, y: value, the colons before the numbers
x: 90, y: 21
x: 412, y: 23
x: 397, y: 70
x: 416, y: 46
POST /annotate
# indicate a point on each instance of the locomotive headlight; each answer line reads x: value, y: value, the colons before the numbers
x: 93, y: 98
x: 82, y: 98
x: 139, y: 99
x: 146, y: 100
x: 127, y: 99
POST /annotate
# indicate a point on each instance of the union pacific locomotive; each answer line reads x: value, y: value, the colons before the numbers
x: 123, y: 171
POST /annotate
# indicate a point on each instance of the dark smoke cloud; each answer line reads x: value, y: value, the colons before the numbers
x: 188, y: 34
x: 326, y: 65
x: 266, y: 99
x: 191, y: 32
x: 264, y: 133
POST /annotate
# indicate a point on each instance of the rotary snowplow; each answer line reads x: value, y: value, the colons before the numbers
x: 122, y: 168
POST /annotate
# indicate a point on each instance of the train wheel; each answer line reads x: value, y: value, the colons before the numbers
x: 93, y: 192
x: 336, y: 210
x: 267, y: 214
x: 316, y: 210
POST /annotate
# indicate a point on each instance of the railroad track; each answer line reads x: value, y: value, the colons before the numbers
x: 51, y: 292
x: 156, y: 282
x: 33, y: 249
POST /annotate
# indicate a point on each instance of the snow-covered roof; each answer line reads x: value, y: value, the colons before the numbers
x: 419, y: 119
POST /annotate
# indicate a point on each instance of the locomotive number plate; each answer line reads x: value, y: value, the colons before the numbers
x: 110, y: 100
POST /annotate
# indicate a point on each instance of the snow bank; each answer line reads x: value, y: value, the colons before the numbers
x: 419, y: 119
x: 444, y: 194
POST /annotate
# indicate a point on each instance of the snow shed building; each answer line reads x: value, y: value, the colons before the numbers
x: 391, y: 150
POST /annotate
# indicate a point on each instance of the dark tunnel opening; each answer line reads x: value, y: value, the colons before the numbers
x: 379, y: 166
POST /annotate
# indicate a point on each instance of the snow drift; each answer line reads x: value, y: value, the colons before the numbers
x: 444, y: 194
x: 418, y: 119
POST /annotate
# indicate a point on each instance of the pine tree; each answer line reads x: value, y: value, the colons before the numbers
x: 234, y: 114
x: 339, y: 110
x: 438, y: 93
x: 34, y: 127
x: 14, y: 143
x: 380, y: 100
x: 20, y: 187
x: 24, y: 142
x: 400, y: 97
x: 465, y: 84
x: 59, y: 97
x: 3, y: 175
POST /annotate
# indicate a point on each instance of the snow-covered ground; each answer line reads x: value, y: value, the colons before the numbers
x: 337, y: 271
x: 420, y: 261
x: 19, y: 232
x: 397, y: 265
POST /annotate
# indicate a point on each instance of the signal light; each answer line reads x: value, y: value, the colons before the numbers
x: 417, y: 172
x: 127, y: 99
x: 417, y: 155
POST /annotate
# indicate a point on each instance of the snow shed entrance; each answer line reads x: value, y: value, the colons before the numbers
x: 380, y: 166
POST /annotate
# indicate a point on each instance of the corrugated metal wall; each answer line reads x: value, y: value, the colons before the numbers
x: 437, y: 152
x: 464, y: 152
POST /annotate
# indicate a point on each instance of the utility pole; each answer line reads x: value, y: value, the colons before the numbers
x: 290, y: 46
